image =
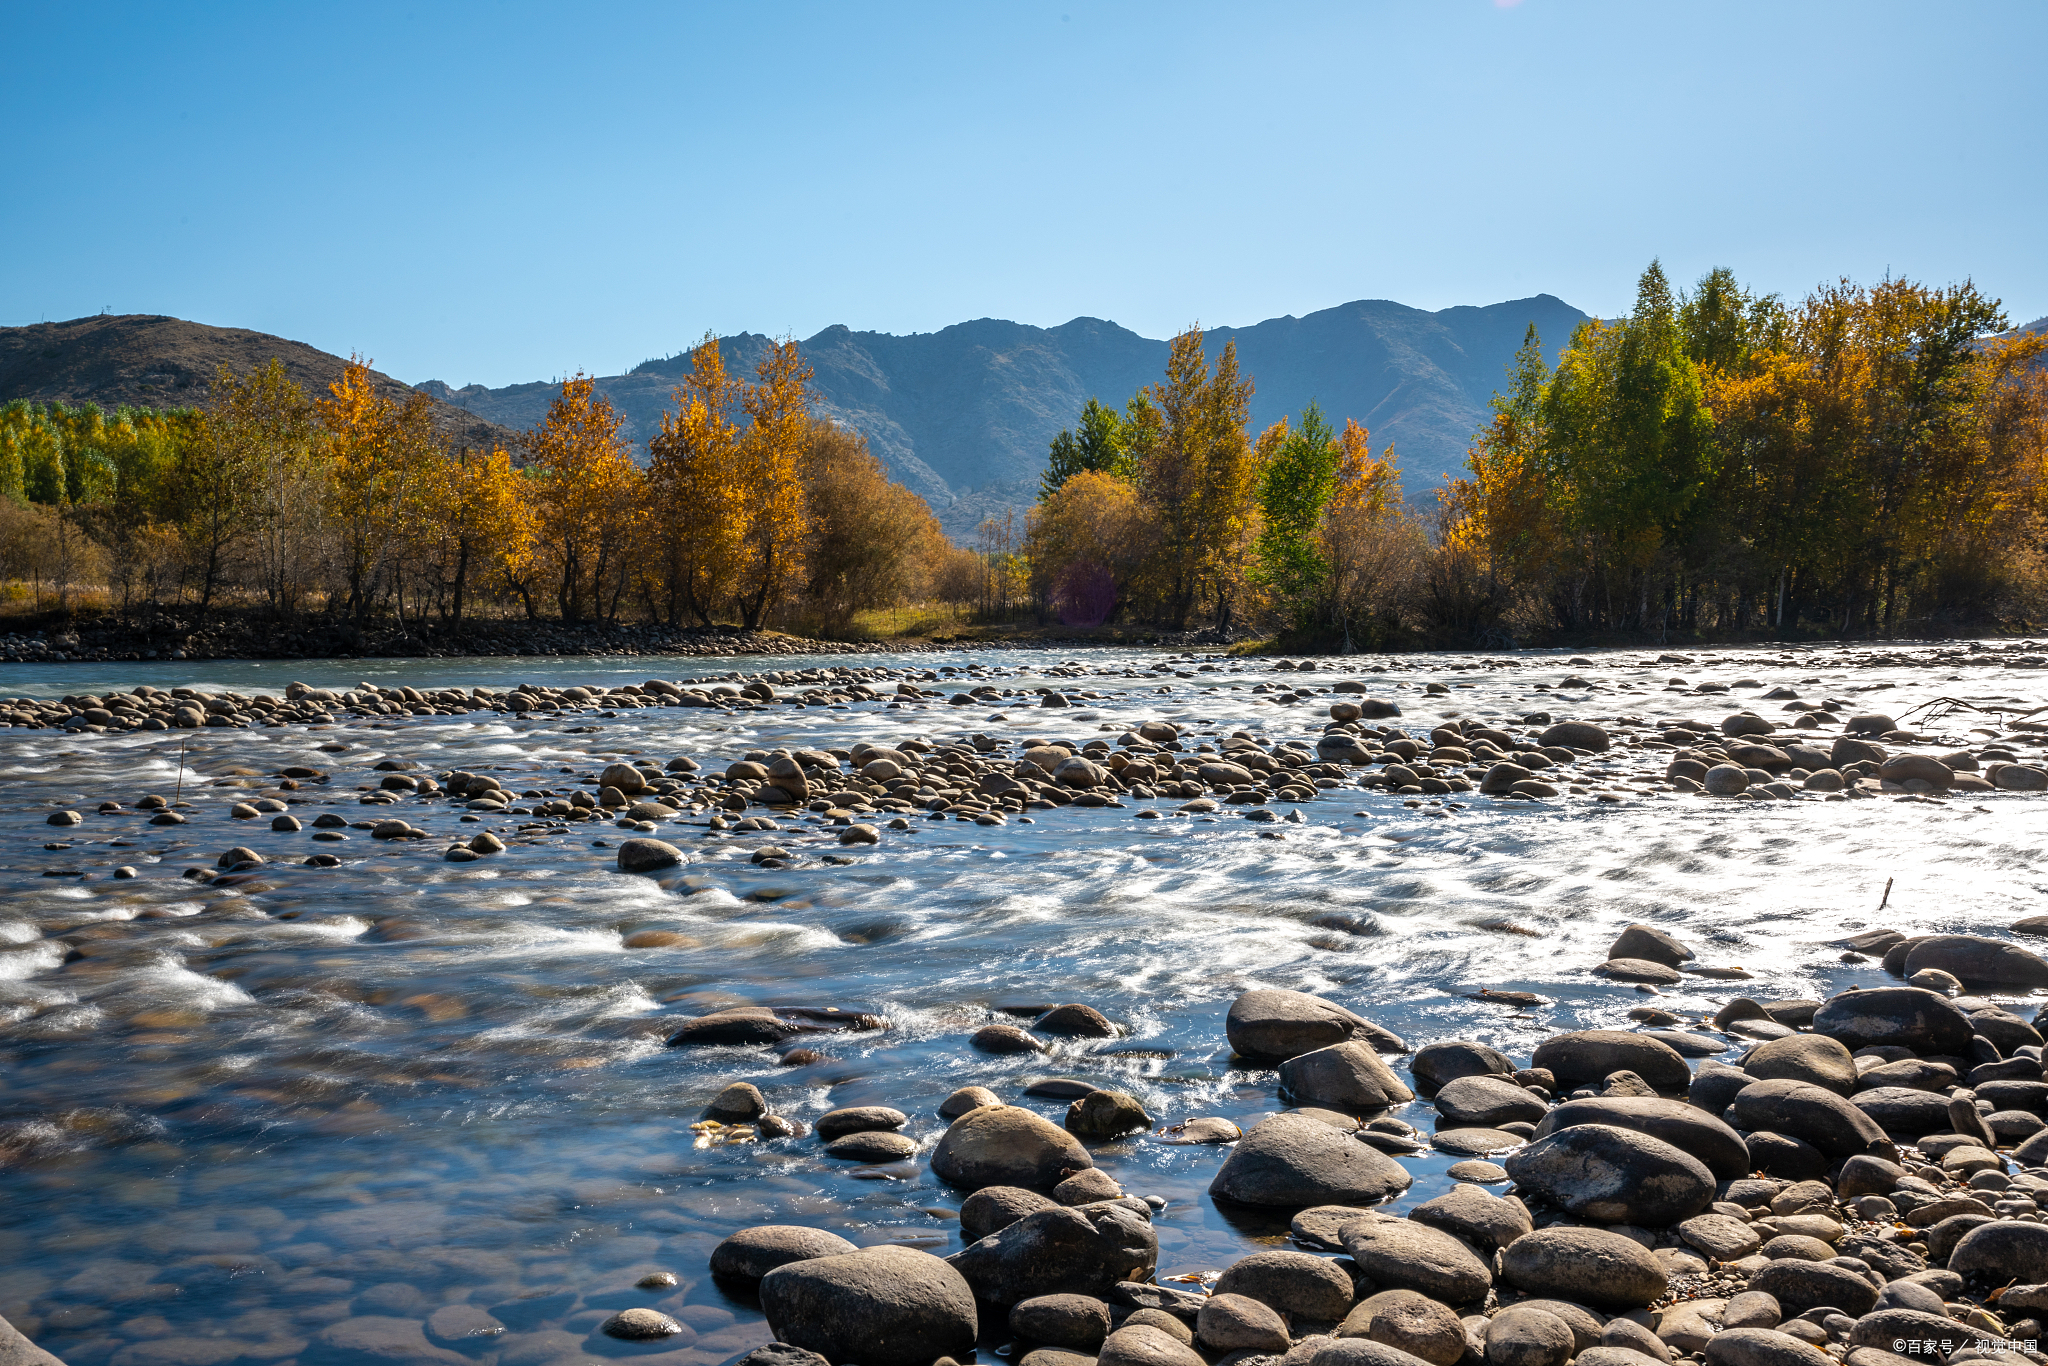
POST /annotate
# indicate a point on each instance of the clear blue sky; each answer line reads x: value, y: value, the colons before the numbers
x: 507, y: 192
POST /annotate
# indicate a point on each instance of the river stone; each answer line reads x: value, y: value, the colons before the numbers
x: 1799, y: 1285
x: 1722, y: 1237
x: 1410, y: 1322
x: 1715, y: 1085
x: 1725, y: 780
x: 1684, y: 1126
x: 1615, y: 1176
x: 1576, y: 735
x: 1475, y: 1142
x: 1904, y: 1111
x: 1403, y: 1254
x: 1649, y: 942
x: 1782, y: 1155
x: 1487, y: 1102
x: 1626, y: 1335
x: 1585, y: 1265
x: 1436, y: 1065
x: 997, y: 1207
x: 1004, y: 1038
x: 1233, y: 1323
x: 648, y: 856
x: 858, y: 1119
x: 2009, y: 1250
x: 1811, y: 1058
x: 872, y: 1145
x: 1591, y: 1055
x: 1080, y: 1322
x: 1762, y: 1347
x: 640, y: 1324
x: 881, y: 1306
x: 1883, y: 1326
x: 1271, y: 1026
x: 1901, y: 768
x: 1521, y: 1336
x: 1811, y: 1114
x: 1082, y: 1250
x: 1140, y: 1344
x: 1075, y: 1021
x: 752, y: 1253
x: 1291, y: 1160
x: 1296, y: 1283
x: 1974, y: 959
x: 739, y: 1103
x: 1321, y: 1225
x: 1348, y: 1076
x: 1006, y: 1145
x: 1896, y: 1017
x: 1106, y: 1114
x: 1479, y: 1217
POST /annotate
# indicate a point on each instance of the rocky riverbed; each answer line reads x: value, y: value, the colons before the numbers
x: 402, y: 1013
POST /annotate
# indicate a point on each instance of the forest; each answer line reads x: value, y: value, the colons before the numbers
x: 1870, y: 461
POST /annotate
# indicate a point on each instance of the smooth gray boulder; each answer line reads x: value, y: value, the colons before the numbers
x: 1070, y: 1250
x: 1487, y: 1103
x: 997, y: 1207
x: 1410, y: 1322
x: 1006, y: 1145
x: 648, y: 856
x: 1975, y: 960
x: 1476, y: 1215
x: 1437, y: 1064
x: 1076, y: 1322
x: 1233, y: 1323
x: 1293, y: 1161
x: 1592, y: 1055
x: 1271, y: 1026
x: 2009, y: 1250
x: 752, y: 1253
x: 1141, y: 1344
x: 1683, y: 1125
x: 1904, y: 1111
x: 1295, y: 1283
x: 1649, y: 942
x: 1799, y: 1285
x: 1521, y: 1336
x: 1895, y: 1017
x: 1615, y: 1176
x: 1345, y: 1076
x: 1762, y: 1347
x: 1585, y: 1265
x: 1812, y: 1114
x: 1402, y: 1254
x: 1811, y: 1058
x: 881, y: 1306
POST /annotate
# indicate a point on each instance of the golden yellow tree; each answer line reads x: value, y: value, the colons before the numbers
x: 588, y: 499
x: 697, y: 489
x: 382, y: 464
x: 772, y: 459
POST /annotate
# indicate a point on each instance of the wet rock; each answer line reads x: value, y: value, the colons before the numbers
x: 859, y: 1119
x: 752, y: 1253
x: 1079, y: 1322
x: 1348, y: 1076
x: 1616, y: 1176
x: 1762, y: 1347
x: 1520, y: 1336
x: 1589, y: 1055
x: 1106, y: 1114
x: 1084, y: 1250
x: 781, y: 1354
x: 1203, y: 1130
x: 965, y: 1099
x: 1006, y: 1145
x: 1402, y: 1254
x: 1233, y: 1323
x: 1576, y: 735
x: 739, y: 1103
x: 464, y: 1323
x: 1725, y: 780
x: 1649, y: 943
x: 1811, y: 1058
x: 640, y: 1324
x: 1812, y: 1114
x: 1004, y: 1038
x: 1272, y: 1026
x: 1480, y: 1218
x: 1684, y: 1126
x: 1973, y: 959
x: 1075, y: 1021
x: 379, y: 1337
x: 1295, y: 1283
x: 1086, y: 1188
x: 648, y: 856
x: 1408, y: 1322
x: 1294, y: 1161
x: 1437, y: 1064
x: 1487, y: 1102
x: 1902, y: 768
x: 1799, y: 1285
x: 1895, y: 1017
x: 872, y: 1145
x: 882, y: 1306
x: 993, y: 1208
x: 1586, y: 1265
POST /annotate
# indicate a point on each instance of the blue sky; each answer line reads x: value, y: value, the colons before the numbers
x: 507, y: 192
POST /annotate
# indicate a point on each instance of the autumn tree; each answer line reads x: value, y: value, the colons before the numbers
x: 243, y: 481
x: 774, y: 517
x: 587, y: 500
x: 698, y: 483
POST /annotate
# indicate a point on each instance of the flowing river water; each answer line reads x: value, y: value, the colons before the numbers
x: 232, y: 1118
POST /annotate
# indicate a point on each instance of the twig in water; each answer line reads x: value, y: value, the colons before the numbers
x: 1887, y: 894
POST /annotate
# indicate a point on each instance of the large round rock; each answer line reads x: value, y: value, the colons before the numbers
x: 1589, y: 1055
x: 1487, y: 1103
x: 648, y: 856
x: 2004, y: 1251
x: 1975, y: 960
x: 1435, y: 1065
x: 1294, y: 1283
x: 1403, y: 1254
x: 1585, y: 1265
x: 1083, y: 1250
x: 1799, y: 1285
x: 1272, y: 1026
x: 1006, y: 1145
x: 1617, y: 1176
x: 1810, y: 1113
x: 1811, y: 1058
x: 1293, y: 1161
x: 1521, y: 1336
x: 881, y: 1306
x: 752, y: 1253
x: 1895, y: 1017
x: 1684, y: 1126
x: 1763, y: 1347
x: 1347, y: 1076
x: 1576, y: 735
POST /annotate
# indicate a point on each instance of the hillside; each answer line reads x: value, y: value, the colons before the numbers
x: 963, y: 415
x: 144, y: 361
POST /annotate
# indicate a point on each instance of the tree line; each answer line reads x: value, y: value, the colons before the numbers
x: 751, y: 509
x: 1867, y: 461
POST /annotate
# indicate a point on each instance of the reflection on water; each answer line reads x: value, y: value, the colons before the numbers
x: 333, y: 1101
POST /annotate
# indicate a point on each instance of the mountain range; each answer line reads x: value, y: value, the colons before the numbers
x: 964, y: 415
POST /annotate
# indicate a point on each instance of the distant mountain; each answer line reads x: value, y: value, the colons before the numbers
x: 964, y: 415
x: 140, y: 360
